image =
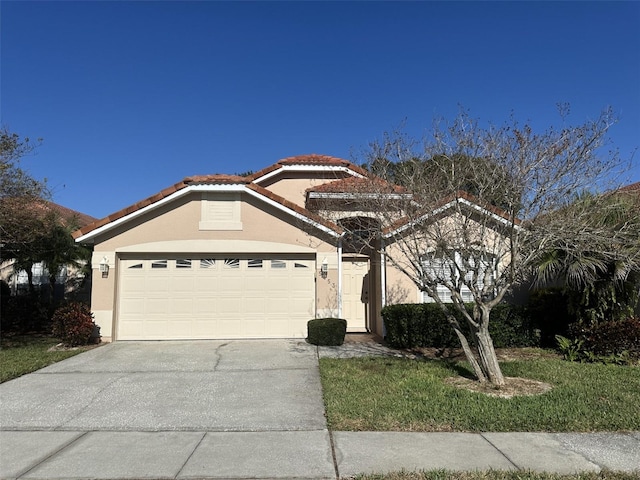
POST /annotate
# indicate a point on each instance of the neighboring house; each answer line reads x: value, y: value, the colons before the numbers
x: 223, y: 256
x: 69, y: 278
x: 632, y: 188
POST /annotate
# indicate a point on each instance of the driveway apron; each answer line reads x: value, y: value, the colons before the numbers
x: 178, y: 404
x: 159, y: 386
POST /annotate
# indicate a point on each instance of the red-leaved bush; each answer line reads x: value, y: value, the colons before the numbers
x: 73, y: 324
x: 612, y: 338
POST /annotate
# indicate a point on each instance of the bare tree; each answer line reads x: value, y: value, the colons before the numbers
x: 482, y: 205
x: 18, y: 191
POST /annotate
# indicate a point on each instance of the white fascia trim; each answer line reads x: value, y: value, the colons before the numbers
x: 228, y: 187
x: 293, y: 213
x: 484, y: 211
x: 447, y: 206
x: 135, y: 214
x: 307, y: 168
x: 205, y: 188
x: 392, y: 196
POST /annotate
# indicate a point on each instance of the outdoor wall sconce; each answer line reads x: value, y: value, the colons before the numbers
x: 324, y: 268
x: 104, y: 267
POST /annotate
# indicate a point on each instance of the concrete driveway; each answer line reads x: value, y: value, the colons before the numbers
x: 177, y: 386
x: 215, y: 409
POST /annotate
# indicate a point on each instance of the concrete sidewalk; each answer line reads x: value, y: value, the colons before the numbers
x: 302, y: 454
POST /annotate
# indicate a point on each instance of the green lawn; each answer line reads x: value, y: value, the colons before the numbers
x: 391, y: 394
x: 497, y: 475
x: 24, y: 354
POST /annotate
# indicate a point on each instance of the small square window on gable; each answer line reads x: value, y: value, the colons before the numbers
x: 220, y: 211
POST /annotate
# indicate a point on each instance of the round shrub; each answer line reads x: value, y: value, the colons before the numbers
x: 73, y: 324
x: 326, y: 331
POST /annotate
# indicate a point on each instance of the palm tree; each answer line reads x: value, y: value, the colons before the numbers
x: 59, y: 250
x: 601, y: 283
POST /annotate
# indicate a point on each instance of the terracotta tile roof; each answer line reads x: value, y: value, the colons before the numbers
x: 634, y: 187
x: 310, y: 159
x: 358, y: 185
x: 41, y: 208
x: 460, y: 194
x: 296, y: 208
x: 218, y: 179
x: 130, y: 209
x: 68, y: 215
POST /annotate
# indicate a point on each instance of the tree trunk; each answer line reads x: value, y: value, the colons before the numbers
x: 488, y: 358
x: 477, y: 369
x: 484, y: 343
x: 52, y: 288
x: 32, y: 288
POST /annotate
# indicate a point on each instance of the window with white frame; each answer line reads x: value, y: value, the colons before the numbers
x: 450, y: 267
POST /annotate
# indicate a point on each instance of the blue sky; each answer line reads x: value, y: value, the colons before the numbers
x: 131, y: 97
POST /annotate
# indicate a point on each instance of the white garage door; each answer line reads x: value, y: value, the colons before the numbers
x: 215, y: 297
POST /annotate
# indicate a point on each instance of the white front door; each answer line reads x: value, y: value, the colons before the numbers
x: 355, y: 293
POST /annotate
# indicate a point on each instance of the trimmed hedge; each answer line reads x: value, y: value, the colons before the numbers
x: 425, y: 325
x: 326, y: 331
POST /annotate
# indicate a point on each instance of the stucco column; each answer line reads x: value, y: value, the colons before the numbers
x: 383, y: 275
x: 340, y: 278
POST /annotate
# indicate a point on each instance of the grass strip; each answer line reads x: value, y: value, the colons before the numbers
x: 498, y: 475
x: 24, y: 354
x: 391, y: 394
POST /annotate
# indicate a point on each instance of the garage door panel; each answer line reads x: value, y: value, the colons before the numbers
x: 132, y: 329
x: 207, y: 283
x: 277, y: 326
x: 182, y: 284
x: 227, y: 306
x: 204, y: 306
x: 155, y: 328
x: 179, y: 328
x: 159, y: 306
x: 133, y: 305
x: 215, y: 297
x: 133, y: 284
x: 182, y: 306
x: 229, y: 327
x: 157, y: 284
x: 254, y: 325
x: 205, y: 328
x: 254, y: 306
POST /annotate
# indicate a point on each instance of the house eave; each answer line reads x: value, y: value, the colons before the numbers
x: 233, y: 188
x: 459, y: 200
x: 307, y: 169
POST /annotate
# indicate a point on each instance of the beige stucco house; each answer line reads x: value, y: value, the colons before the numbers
x: 221, y: 256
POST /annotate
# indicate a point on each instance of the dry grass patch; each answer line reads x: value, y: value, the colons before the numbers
x: 513, y: 387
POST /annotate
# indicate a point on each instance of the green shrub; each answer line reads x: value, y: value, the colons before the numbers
x: 608, y: 342
x: 326, y: 331
x: 417, y: 325
x: 24, y: 313
x: 613, y: 338
x: 73, y: 324
x: 426, y: 325
x: 512, y: 327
